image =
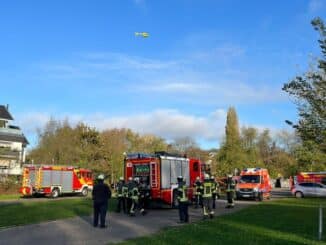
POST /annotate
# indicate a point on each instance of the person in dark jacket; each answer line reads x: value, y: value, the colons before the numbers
x: 121, y: 201
x: 182, y: 200
x: 230, y: 189
x: 100, y: 195
x: 198, y: 190
x: 144, y: 195
x: 134, y: 195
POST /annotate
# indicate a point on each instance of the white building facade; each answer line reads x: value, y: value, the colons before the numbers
x: 12, y: 145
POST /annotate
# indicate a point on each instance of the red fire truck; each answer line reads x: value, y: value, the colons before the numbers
x: 55, y: 180
x: 319, y: 177
x: 160, y: 172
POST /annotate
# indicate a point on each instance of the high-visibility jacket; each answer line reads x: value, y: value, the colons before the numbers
x: 135, y: 193
x: 215, y: 185
x: 230, y: 186
x: 198, y: 187
x: 120, y: 188
x: 207, y: 189
x: 182, y: 193
x: 125, y: 190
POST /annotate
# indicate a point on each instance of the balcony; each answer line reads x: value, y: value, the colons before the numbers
x: 11, y: 131
x: 6, y: 153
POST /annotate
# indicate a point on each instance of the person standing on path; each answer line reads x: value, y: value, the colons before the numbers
x: 207, y: 197
x: 198, y: 190
x: 214, y: 190
x: 100, y: 195
x: 230, y: 189
x: 121, y: 202
x: 134, y: 195
x: 182, y: 200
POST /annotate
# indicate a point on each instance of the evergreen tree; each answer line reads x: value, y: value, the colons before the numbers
x: 231, y: 154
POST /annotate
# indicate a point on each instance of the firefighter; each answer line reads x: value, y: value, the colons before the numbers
x: 182, y: 200
x: 119, y: 190
x: 230, y: 189
x: 125, y: 197
x: 144, y: 196
x: 198, y: 190
x: 100, y: 195
x: 134, y: 195
x: 215, y: 187
x: 207, y: 197
x: 129, y: 186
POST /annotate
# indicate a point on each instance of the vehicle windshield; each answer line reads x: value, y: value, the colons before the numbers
x: 250, y: 179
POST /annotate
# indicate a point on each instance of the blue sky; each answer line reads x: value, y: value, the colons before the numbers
x: 81, y: 60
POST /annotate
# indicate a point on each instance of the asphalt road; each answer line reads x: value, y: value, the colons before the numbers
x: 280, y: 193
x: 79, y: 230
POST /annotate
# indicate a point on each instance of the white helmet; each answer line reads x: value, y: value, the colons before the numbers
x: 121, y: 178
x: 206, y: 176
x: 100, y: 177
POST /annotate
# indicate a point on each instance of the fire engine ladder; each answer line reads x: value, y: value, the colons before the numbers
x: 153, y: 175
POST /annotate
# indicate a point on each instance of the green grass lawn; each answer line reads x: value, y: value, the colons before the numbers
x: 288, y: 221
x: 9, y: 196
x: 31, y: 211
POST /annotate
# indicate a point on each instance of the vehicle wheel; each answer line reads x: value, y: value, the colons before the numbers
x: 55, y: 193
x: 298, y: 194
x: 175, y: 202
x: 84, y: 192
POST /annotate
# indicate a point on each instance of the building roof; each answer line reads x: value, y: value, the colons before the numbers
x: 4, y: 113
x: 14, y: 138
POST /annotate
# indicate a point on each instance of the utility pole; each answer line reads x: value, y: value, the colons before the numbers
x: 320, y: 230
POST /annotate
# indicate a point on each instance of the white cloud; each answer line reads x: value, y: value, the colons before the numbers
x: 168, y: 124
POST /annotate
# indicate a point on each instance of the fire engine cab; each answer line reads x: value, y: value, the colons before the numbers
x: 55, y: 180
x: 160, y: 171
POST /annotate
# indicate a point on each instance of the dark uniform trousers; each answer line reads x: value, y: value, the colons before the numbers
x: 100, y: 210
x: 183, y: 211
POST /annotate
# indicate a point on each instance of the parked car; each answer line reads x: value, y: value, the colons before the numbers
x: 306, y: 189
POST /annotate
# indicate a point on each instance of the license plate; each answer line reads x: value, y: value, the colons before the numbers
x: 246, y: 195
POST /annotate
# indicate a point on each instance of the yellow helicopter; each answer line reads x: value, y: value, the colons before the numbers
x: 142, y: 34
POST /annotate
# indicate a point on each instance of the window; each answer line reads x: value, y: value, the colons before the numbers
x: 250, y: 179
x: 196, y: 166
x: 306, y: 184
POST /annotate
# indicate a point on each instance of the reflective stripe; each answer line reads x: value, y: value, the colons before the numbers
x: 207, y: 189
x: 183, y: 197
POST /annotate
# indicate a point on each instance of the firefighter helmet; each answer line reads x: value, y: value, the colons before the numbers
x: 121, y: 178
x: 206, y: 176
x: 197, y: 178
x: 180, y: 178
x: 100, y: 177
x: 130, y: 178
x: 212, y: 177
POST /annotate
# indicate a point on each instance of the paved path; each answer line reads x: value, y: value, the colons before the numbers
x: 79, y: 230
